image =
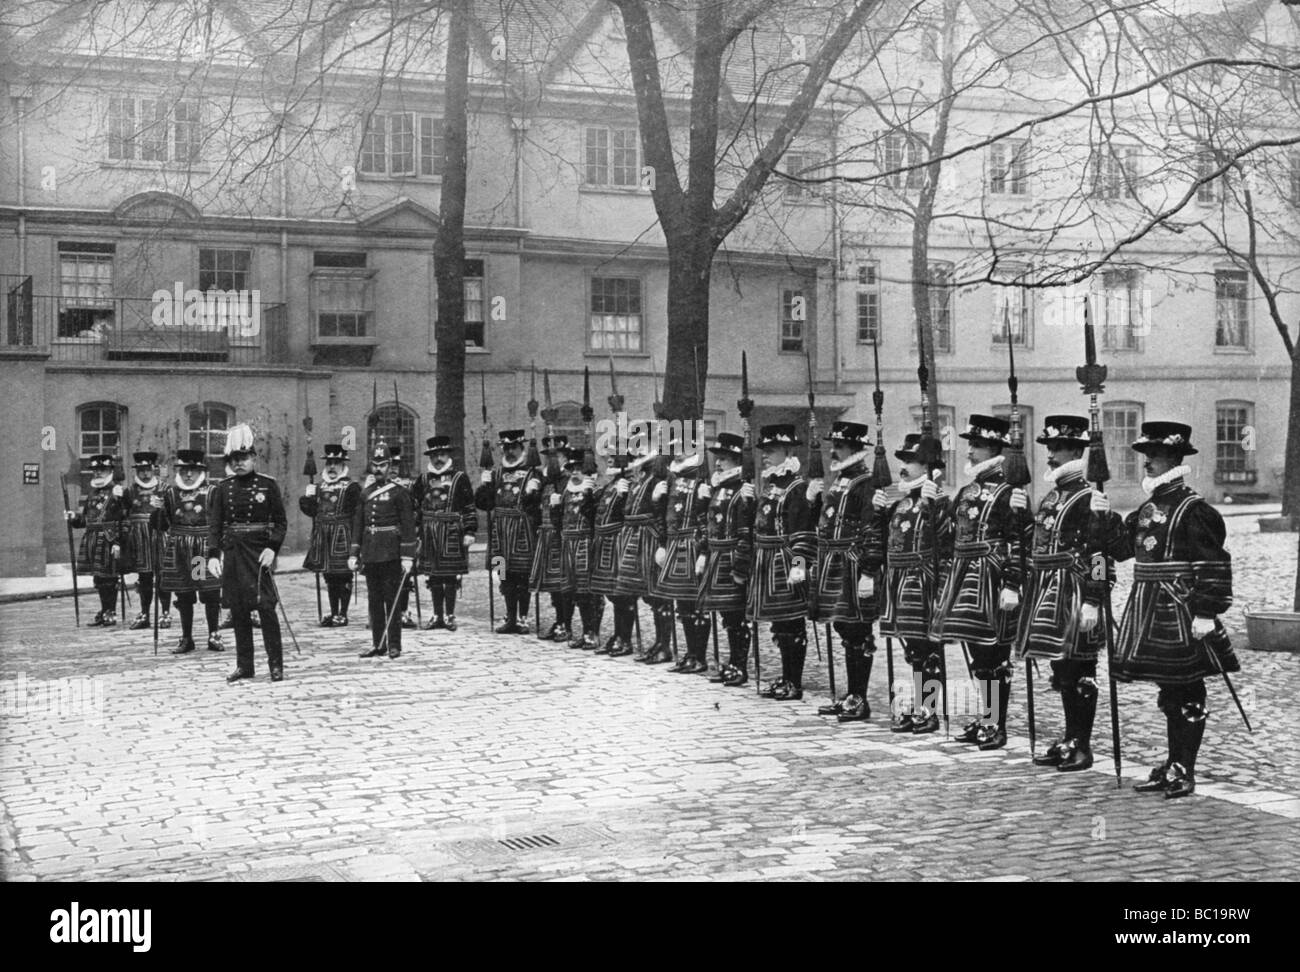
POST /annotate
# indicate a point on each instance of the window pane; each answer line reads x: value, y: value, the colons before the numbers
x: 223, y: 269
x: 1231, y: 308
x: 1231, y: 421
x: 401, y: 144
x: 1120, y: 424
x: 431, y: 145
x: 615, y: 313
x: 186, y: 132
x: 373, y: 157
x: 121, y: 128
x: 623, y: 156
x: 597, y: 156
x: 153, y: 130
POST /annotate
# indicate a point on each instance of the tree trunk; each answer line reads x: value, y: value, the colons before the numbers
x: 687, y: 367
x: 1291, y: 477
x: 449, y: 249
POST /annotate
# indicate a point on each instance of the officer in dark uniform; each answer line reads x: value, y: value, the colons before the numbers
x: 725, y: 553
x: 980, y: 601
x: 548, y: 565
x: 1061, y: 608
x: 246, y: 526
x: 848, y: 560
x: 181, y: 515
x: 688, y: 494
x: 447, y: 520
x: 100, y: 549
x: 513, y: 492
x: 331, y: 506
x: 1170, y: 632
x: 640, y: 537
x: 139, y: 539
x: 784, y: 546
x: 383, y: 545
x: 912, y: 530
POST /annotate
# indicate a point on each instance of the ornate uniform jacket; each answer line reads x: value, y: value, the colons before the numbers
x: 847, y: 548
x: 184, y: 522
x: 101, y: 515
x: 1181, y: 571
x: 912, y: 529
x: 783, y: 538
x: 641, y: 535
x: 986, y: 559
x: 607, y: 523
x: 1060, y: 579
x: 138, y: 536
x: 548, y: 558
x: 383, y: 526
x: 516, y: 515
x: 727, y: 545
x: 331, y: 510
x: 577, y: 523
x: 245, y: 516
x: 687, y: 509
x: 444, y: 509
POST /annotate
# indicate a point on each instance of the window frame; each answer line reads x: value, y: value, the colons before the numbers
x: 1119, y: 451
x: 433, y: 159
x: 1115, y: 177
x: 900, y: 145
x: 102, y: 305
x: 1020, y: 301
x: 782, y: 320
x: 1245, y: 302
x: 801, y: 161
x: 1110, y: 331
x: 213, y: 452
x: 133, y: 141
x: 1247, y: 474
x: 410, y: 449
x: 321, y: 276
x: 945, y: 269
x: 589, y: 314
x: 1007, y: 167
x: 869, y: 288
x: 608, y: 165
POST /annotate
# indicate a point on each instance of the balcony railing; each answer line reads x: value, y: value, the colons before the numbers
x: 225, y: 329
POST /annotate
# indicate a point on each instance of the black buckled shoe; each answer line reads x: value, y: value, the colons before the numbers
x: 1181, y: 782
x: 277, y: 674
x: 737, y: 678
x: 577, y: 641
x: 692, y: 666
x: 658, y: 657
x: 971, y: 734
x: 165, y: 620
x: 436, y: 624
x: 523, y: 626
x: 97, y: 621
x: 561, y: 635
x: 903, y: 722
x: 995, y: 737
x: 550, y: 633
x: 924, y: 725
x: 140, y: 623
x: 395, y: 652
x: 109, y: 620
x: 408, y: 621
x: 1077, y: 758
x: 327, y: 621
x: 374, y: 653
x: 215, y: 643
x: 721, y: 674
x: 238, y: 674
x: 1054, y: 754
x: 834, y: 709
x: 184, y: 647
x: 508, y: 627
x: 1157, y: 781
x: 340, y: 620
x: 787, y: 691
x: 856, y: 709
x: 681, y: 663
x: 621, y: 648
x: 451, y: 622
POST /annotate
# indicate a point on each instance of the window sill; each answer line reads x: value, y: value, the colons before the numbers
x: 614, y: 190
x: 1010, y: 195
x: 337, y: 342
x: 474, y: 349
x: 408, y: 177
x: 1232, y: 349
x: 618, y: 354
x: 200, y: 167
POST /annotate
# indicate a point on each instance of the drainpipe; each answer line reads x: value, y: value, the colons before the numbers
x: 836, y: 254
x: 519, y: 126
x: 20, y: 111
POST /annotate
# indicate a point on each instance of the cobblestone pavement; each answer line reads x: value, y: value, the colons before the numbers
x: 483, y: 756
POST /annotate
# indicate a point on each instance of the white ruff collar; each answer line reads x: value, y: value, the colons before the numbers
x: 582, y: 486
x: 640, y: 461
x: 791, y: 465
x: 327, y: 478
x: 982, y: 467
x: 152, y: 484
x: 438, y: 471
x: 857, y: 457
x: 512, y: 465
x: 1066, y: 470
x: 907, y: 485
x: 722, y: 475
x: 99, y: 482
x: 189, y: 489
x: 1150, y: 484
x: 685, y: 462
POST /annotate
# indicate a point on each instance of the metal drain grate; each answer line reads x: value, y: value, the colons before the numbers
x: 531, y: 842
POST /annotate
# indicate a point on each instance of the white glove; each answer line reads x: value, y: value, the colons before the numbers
x: 214, y: 566
x: 117, y: 491
x: 408, y: 564
x: 747, y: 490
x: 699, y: 564
x: 266, y: 558
x: 556, y: 499
x: 705, y: 490
x: 533, y: 486
x: 1010, y: 599
x: 468, y: 539
x: 930, y: 490
x: 588, y: 483
x: 815, y: 487
x: 880, y: 499
x: 485, y: 477
x: 660, y: 490
x: 116, y: 550
x: 621, y: 486
x: 1019, y: 499
x: 1088, y: 617
x: 310, y: 490
x: 797, y: 576
x: 1202, y: 626
x: 866, y: 586
x: 156, y: 501
x: 352, y: 564
x: 69, y: 515
x: 660, y: 556
x: 1100, y: 502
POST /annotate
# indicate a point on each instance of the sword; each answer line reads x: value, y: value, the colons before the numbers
x: 72, y: 551
x: 1228, y: 682
x: 746, y: 408
x: 279, y: 601
x: 388, y: 621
